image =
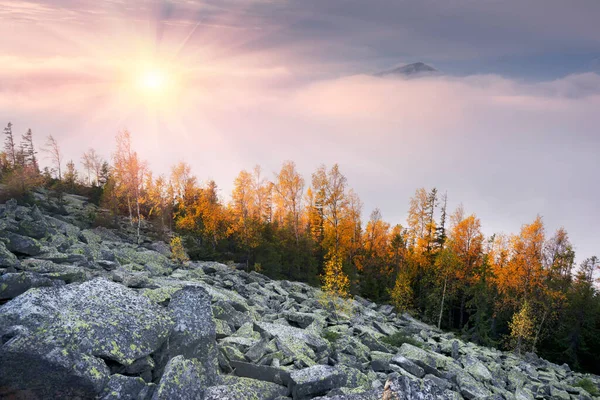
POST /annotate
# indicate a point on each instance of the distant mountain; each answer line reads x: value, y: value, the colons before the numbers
x: 410, y: 70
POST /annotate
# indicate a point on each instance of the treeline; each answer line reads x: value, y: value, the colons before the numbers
x: 520, y: 291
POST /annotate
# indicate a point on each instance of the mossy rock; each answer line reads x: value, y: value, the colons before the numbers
x: 98, y: 318
x: 237, y: 388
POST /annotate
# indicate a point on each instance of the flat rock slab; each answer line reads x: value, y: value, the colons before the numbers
x: 236, y: 388
x: 290, y: 333
x: 431, y: 362
x: 316, y: 380
x: 266, y: 373
x: 98, y: 318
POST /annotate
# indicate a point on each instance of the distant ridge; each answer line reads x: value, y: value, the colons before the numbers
x: 410, y: 70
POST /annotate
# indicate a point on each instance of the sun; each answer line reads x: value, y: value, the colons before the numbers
x: 154, y: 85
x: 153, y: 80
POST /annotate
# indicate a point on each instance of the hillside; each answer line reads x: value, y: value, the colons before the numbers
x: 88, y: 313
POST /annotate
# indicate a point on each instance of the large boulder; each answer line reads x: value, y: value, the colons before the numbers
x: 288, y: 333
x: 476, y: 368
x: 34, y: 225
x: 14, y: 284
x: 181, y: 380
x: 430, y: 362
x: 97, y: 318
x: 32, y: 367
x: 316, y: 380
x: 193, y: 335
x: 67, y: 273
x: 7, y: 259
x: 121, y: 387
x: 24, y: 245
x: 408, y: 365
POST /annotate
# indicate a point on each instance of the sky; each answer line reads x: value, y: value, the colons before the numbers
x: 509, y: 128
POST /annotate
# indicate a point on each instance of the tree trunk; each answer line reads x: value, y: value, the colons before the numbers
x: 130, y: 211
x: 139, y: 219
x: 442, y: 305
x: 539, y: 330
x: 462, y: 309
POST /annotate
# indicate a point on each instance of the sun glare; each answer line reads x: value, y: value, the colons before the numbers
x: 153, y: 80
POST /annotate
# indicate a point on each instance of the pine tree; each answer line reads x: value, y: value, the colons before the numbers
x: 9, y: 145
x: 29, y: 151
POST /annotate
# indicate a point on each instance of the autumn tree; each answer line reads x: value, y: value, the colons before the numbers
x: 92, y: 163
x: 521, y: 327
x: 245, y: 226
x: 262, y: 190
x: 54, y: 153
x: 351, y: 239
x: 522, y: 274
x: 421, y: 234
x: 376, y: 269
x: 558, y: 259
x: 129, y: 173
x: 466, y: 242
x: 331, y: 187
x: 402, y: 293
x: 447, y: 264
x: 178, y: 253
x: 336, y: 285
x: 289, y: 188
x: 184, y: 184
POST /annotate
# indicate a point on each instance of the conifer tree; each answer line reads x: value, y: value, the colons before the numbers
x: 29, y: 151
x: 9, y: 145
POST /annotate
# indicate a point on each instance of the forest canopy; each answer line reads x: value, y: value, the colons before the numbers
x: 519, y: 291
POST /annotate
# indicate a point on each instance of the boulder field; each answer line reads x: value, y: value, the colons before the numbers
x: 86, y: 313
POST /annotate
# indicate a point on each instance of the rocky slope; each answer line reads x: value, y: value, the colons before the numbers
x: 86, y: 313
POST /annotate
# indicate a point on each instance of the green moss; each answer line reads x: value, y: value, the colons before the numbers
x: 587, y: 385
x: 95, y: 373
x: 160, y: 295
x: 331, y: 336
x: 3, y: 287
x: 398, y: 338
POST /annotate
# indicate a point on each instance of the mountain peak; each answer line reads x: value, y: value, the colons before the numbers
x: 418, y: 68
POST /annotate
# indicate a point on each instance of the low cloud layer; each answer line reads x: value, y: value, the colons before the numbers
x: 506, y: 149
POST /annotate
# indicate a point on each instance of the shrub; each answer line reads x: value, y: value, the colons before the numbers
x: 177, y: 251
x: 587, y: 385
x: 331, y: 336
x: 398, y: 338
x: 258, y: 268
